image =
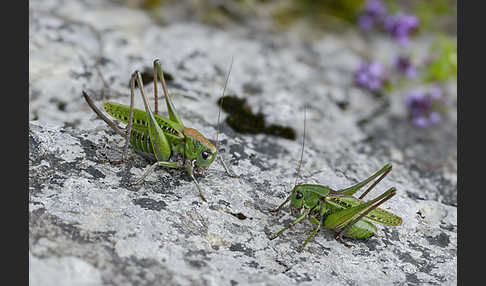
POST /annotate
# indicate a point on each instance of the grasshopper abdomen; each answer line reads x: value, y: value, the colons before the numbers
x: 140, y: 141
x: 361, y: 229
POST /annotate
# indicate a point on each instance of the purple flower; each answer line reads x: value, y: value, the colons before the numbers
x: 370, y: 75
x: 375, y: 8
x: 401, y: 26
x: 418, y: 103
x: 434, y: 117
x: 404, y: 66
x: 420, y: 121
x: 425, y: 108
x: 435, y: 93
x: 366, y: 22
x: 374, y: 11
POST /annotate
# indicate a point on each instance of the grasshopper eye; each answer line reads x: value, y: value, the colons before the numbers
x: 205, y: 155
x: 299, y: 196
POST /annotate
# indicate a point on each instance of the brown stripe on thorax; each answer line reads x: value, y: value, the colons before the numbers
x: 196, y: 135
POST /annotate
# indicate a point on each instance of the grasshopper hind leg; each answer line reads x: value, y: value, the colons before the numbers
x: 110, y: 122
x: 377, y: 202
x: 125, y: 134
x: 380, y: 174
x: 348, y: 245
x: 130, y: 118
x: 340, y: 239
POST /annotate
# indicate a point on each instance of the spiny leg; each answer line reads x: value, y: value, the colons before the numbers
x: 100, y: 114
x: 153, y: 166
x: 353, y: 189
x: 159, y: 141
x: 340, y: 239
x: 173, y: 115
x: 316, y: 230
x: 375, y: 183
x: 280, y: 206
x: 190, y: 171
x: 156, y: 92
x: 130, y: 118
x: 111, y: 123
x: 380, y: 200
x: 198, y: 187
x: 311, y: 235
x: 291, y: 224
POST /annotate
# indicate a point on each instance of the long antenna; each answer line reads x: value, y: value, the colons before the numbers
x: 221, y: 102
x: 303, y: 144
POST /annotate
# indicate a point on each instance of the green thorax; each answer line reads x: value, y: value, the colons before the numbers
x: 310, y: 194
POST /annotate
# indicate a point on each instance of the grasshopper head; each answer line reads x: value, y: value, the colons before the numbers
x: 298, y: 197
x: 308, y: 195
x: 203, y: 153
x: 204, y: 159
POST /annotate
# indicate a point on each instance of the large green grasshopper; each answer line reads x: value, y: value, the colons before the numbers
x: 340, y: 210
x: 164, y: 140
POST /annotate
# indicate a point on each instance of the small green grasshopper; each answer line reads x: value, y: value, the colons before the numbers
x: 166, y: 141
x: 340, y: 210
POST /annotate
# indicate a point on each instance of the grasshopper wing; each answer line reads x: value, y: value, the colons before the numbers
x: 377, y: 215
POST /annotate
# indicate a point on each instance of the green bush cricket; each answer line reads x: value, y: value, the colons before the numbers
x: 164, y: 140
x: 340, y: 210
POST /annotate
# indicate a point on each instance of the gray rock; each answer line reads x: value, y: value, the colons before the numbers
x: 88, y: 226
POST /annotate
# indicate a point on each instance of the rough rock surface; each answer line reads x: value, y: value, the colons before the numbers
x: 88, y: 226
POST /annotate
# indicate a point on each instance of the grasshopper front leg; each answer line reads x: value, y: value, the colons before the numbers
x: 156, y: 164
x: 171, y: 165
x: 173, y: 115
x: 190, y: 171
x: 297, y: 220
x: 281, y: 205
x: 315, y: 231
